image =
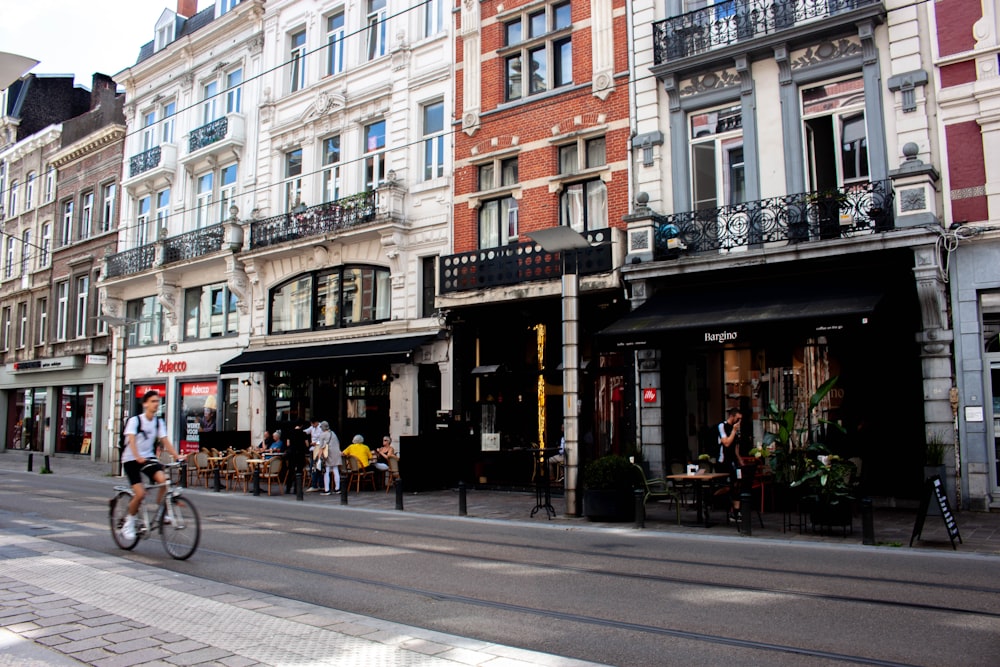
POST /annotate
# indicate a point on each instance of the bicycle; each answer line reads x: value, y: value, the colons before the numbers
x: 181, y: 531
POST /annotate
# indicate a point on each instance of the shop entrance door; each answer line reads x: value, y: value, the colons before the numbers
x: 994, y: 430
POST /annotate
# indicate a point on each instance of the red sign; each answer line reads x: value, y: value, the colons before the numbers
x: 167, y: 366
x: 141, y: 389
x: 649, y: 395
x: 198, y: 389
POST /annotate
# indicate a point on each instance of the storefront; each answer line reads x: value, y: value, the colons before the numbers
x: 55, y: 405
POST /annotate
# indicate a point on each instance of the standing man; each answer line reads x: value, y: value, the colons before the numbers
x: 142, y: 433
x: 729, y: 455
x: 296, y: 456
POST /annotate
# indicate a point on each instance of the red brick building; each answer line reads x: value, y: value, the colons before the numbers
x: 542, y: 139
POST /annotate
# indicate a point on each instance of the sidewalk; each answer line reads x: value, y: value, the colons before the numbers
x: 980, y: 531
x: 66, y: 606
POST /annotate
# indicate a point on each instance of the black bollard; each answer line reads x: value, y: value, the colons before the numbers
x: 640, y: 508
x: 183, y: 481
x: 216, y: 481
x: 746, y: 514
x: 463, y: 509
x: 31, y: 460
x: 298, y: 486
x: 399, y: 493
x: 47, y: 467
x: 867, y: 522
x: 343, y: 491
x: 256, y: 482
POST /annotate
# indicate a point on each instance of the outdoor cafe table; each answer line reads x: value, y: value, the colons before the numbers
x: 700, y: 488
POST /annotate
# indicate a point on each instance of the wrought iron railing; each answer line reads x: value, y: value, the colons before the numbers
x: 853, y: 210
x: 144, y: 161
x: 193, y: 244
x: 518, y: 263
x: 132, y: 261
x: 725, y: 23
x: 332, y: 216
x: 208, y: 134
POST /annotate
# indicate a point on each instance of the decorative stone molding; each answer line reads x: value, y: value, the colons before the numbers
x: 239, y: 284
x: 110, y: 306
x: 828, y: 51
x: 906, y: 84
x: 602, y: 48
x: 166, y: 296
x: 709, y: 81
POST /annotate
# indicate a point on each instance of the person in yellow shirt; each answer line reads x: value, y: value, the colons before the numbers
x: 359, y: 450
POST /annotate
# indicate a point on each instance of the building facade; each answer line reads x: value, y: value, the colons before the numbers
x: 785, y: 228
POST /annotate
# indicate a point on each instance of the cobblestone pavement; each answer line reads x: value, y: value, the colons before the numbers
x: 67, y: 606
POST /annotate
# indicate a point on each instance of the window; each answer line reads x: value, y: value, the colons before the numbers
x: 8, y: 266
x: 434, y: 13
x: 540, y: 41
x: 374, y: 155
x: 203, y: 201
x: 209, y: 103
x: 86, y: 215
x: 108, y: 207
x: 162, y: 209
x: 433, y: 122
x: 82, y: 303
x: 62, y: 309
x: 12, y: 208
x: 297, y: 62
x: 148, y: 317
x: 67, y: 223
x: 331, y: 169
x: 508, y: 174
x: 22, y: 324
x: 3, y: 165
x: 50, y: 183
x: 29, y: 190
x: 142, y: 221
x: 335, y: 43
x: 234, y: 91
x: 227, y: 190
x: 226, y: 5
x: 164, y: 35
x: 342, y: 297
x: 102, y: 324
x: 582, y: 154
x: 717, y: 173
x: 584, y: 206
x: 835, y: 134
x: 169, y: 110
x: 428, y: 288
x: 497, y: 222
x: 293, y: 179
x: 5, y: 328
x: 43, y: 321
x: 210, y: 312
x: 43, y: 256
x: 376, y: 28
x: 25, y: 252
x: 149, y: 131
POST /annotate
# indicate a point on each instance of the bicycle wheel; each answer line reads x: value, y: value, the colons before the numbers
x: 181, y: 535
x: 119, y: 510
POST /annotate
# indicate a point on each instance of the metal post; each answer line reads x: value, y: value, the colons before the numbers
x: 571, y: 376
x: 399, y: 493
x: 746, y: 513
x: 183, y: 481
x: 867, y: 522
x: 216, y: 480
x: 298, y: 484
x: 343, y: 491
x: 47, y: 467
x: 31, y: 460
x: 256, y: 481
x: 463, y: 509
x: 640, y: 508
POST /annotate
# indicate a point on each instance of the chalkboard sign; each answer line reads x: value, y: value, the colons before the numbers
x: 935, y: 493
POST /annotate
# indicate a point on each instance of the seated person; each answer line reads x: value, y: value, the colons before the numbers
x: 383, y: 453
x: 359, y: 450
x: 277, y: 443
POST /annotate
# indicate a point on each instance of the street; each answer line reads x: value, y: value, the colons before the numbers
x: 616, y: 596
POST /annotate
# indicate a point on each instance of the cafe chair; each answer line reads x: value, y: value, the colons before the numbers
x: 202, y: 470
x: 356, y: 473
x: 658, y: 490
x: 239, y: 471
x: 392, y: 473
x: 271, y: 473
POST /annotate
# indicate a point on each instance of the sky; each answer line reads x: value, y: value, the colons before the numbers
x: 80, y: 37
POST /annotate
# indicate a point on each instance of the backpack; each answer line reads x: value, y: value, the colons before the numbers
x: 122, y: 443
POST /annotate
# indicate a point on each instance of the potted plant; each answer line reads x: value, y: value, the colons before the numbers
x: 705, y: 463
x: 934, y: 455
x: 608, y: 489
x: 826, y: 486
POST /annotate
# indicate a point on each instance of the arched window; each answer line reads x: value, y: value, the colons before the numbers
x: 330, y: 299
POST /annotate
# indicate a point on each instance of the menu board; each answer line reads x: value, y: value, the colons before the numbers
x: 935, y: 493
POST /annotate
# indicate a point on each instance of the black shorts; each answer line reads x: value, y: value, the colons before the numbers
x: 134, y: 470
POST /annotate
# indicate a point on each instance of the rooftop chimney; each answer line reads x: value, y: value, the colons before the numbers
x: 187, y: 8
x: 102, y: 87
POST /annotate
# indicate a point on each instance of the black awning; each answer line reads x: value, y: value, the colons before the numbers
x: 272, y: 358
x: 669, y: 312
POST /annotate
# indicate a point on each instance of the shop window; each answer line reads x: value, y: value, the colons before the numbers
x: 539, y: 43
x: 147, y: 316
x: 717, y: 172
x: 210, y: 312
x: 330, y: 299
x: 990, y: 303
x: 77, y: 415
x: 26, y: 419
x: 835, y: 134
x: 198, y: 413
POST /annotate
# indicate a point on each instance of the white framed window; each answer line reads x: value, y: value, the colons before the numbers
x: 717, y: 172
x: 50, y: 184
x: 12, y: 199
x: 293, y: 179
x: 498, y: 219
x: 432, y: 119
x: 62, y: 309
x: 29, y: 190
x: 67, y: 223
x: 227, y: 190
x: 102, y: 324
x: 168, y: 111
x: 164, y: 34
x: 297, y: 61
x: 108, y: 192
x: 582, y: 154
x: 836, y: 137
x: 8, y: 265
x: 331, y: 169
x: 149, y: 131
x: 584, y: 206
x: 499, y: 173
x: 234, y: 91
x: 538, y: 42
x: 142, y: 221
x: 25, y: 252
x: 209, y: 102
x: 335, y: 43
x: 203, y: 200
x: 86, y: 215
x: 22, y: 324
x: 46, y: 245
x: 374, y: 154
x: 5, y: 327
x: 376, y: 28
x: 43, y: 321
x: 3, y: 168
x: 227, y: 5
x: 162, y: 209
x: 434, y: 13
x: 82, y: 306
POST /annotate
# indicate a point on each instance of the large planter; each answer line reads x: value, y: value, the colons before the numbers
x: 605, y: 505
x: 827, y: 515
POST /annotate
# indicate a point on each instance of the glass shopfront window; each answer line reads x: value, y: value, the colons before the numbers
x: 26, y: 419
x: 198, y: 413
x: 76, y: 420
x: 139, y: 390
x: 346, y: 296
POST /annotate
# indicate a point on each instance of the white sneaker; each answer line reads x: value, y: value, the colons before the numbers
x: 128, y: 528
x: 167, y: 519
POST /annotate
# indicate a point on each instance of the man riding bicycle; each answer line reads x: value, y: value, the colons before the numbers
x: 142, y: 433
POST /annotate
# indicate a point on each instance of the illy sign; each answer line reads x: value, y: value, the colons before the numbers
x: 167, y: 366
x: 649, y: 395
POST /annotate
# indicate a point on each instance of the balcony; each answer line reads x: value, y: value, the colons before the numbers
x: 129, y: 262
x: 213, y: 139
x: 144, y: 161
x: 519, y: 263
x: 852, y: 211
x: 193, y: 244
x: 341, y: 215
x: 147, y: 165
x: 740, y: 22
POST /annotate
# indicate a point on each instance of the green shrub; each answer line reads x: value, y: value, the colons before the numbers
x: 610, y: 473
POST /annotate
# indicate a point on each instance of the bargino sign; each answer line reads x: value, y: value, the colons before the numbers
x: 720, y: 336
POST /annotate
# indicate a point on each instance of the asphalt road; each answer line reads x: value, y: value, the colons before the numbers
x: 617, y: 596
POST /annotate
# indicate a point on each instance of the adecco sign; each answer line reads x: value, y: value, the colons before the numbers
x: 167, y: 366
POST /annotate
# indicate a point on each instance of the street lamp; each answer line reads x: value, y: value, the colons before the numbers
x: 568, y: 242
x: 121, y: 347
